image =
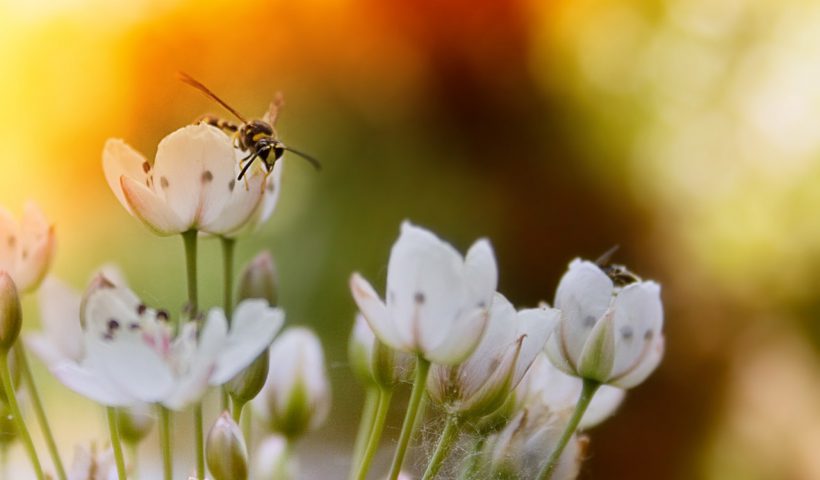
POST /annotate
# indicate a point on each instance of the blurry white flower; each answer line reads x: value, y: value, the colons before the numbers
x: 89, y: 464
x: 546, y: 385
x: 272, y: 461
x: 296, y: 395
x: 374, y: 362
x: 436, y: 300
x: 132, y: 356
x: 225, y: 450
x: 27, y: 247
x: 521, y: 448
x: 610, y: 333
x: 510, y: 344
x: 135, y: 423
x: 191, y: 184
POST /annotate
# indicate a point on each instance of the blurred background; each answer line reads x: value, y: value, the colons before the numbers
x: 685, y: 131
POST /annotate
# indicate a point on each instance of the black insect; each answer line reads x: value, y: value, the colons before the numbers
x: 257, y: 137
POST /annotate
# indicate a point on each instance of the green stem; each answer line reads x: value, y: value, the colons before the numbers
x: 375, y: 433
x: 470, y: 470
x: 587, y: 392
x: 189, y: 239
x: 227, y: 272
x: 237, y: 411
x: 39, y: 411
x: 116, y: 445
x: 247, y: 429
x: 445, y: 443
x: 200, y: 442
x: 11, y: 397
x: 165, y: 443
x: 407, y: 427
x: 371, y: 403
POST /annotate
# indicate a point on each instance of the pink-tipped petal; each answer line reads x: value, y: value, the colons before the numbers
x: 152, y: 209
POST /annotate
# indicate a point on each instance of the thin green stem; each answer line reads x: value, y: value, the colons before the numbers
x: 375, y: 433
x: 237, y: 411
x: 470, y: 470
x: 407, y: 427
x: 371, y: 403
x: 228, y: 245
x: 133, y: 453
x: 445, y: 442
x: 4, y: 460
x: 247, y: 429
x: 165, y: 443
x: 116, y: 444
x: 189, y: 239
x: 11, y: 397
x: 587, y: 392
x: 39, y: 411
x: 200, y: 442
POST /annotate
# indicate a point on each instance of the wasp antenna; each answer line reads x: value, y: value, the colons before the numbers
x: 202, y: 88
x: 607, y: 256
x: 311, y: 160
x: 250, y: 158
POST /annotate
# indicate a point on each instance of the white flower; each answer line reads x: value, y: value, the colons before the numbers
x: 27, y: 247
x: 296, y: 395
x: 89, y: 464
x: 609, y: 333
x: 132, y: 356
x: 272, y: 461
x: 521, y: 448
x: 547, y: 386
x: 436, y: 301
x: 509, y: 346
x: 191, y: 184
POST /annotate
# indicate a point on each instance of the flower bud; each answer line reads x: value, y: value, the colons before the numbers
x: 135, y: 423
x: 249, y: 382
x: 273, y: 461
x: 258, y: 279
x: 360, y: 350
x: 225, y: 450
x: 296, y: 396
x: 11, y: 318
x: 374, y: 362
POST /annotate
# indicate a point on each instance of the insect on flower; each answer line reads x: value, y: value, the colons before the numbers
x: 257, y: 137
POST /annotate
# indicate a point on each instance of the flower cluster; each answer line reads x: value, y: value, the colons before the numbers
x: 517, y: 387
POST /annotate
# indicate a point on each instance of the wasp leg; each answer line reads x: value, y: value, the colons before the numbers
x: 245, y: 168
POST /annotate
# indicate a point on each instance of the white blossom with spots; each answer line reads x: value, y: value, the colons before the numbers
x: 437, y: 301
x: 608, y: 332
x: 131, y: 355
x: 483, y: 382
x: 191, y: 184
x: 27, y: 247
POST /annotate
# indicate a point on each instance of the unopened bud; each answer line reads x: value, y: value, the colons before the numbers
x: 225, y: 450
x: 249, y: 382
x: 11, y: 318
x: 273, y: 461
x: 134, y: 423
x: 360, y: 351
x: 258, y: 279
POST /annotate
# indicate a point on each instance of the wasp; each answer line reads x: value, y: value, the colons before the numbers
x: 619, y: 274
x: 257, y: 137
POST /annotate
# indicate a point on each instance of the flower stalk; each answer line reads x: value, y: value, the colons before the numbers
x: 116, y: 444
x: 375, y: 433
x: 371, y: 405
x: 445, y: 443
x: 408, y: 426
x: 39, y: 411
x: 587, y: 392
x: 165, y: 443
x: 11, y: 397
x: 189, y: 239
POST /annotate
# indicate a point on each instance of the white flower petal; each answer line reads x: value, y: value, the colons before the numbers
x: 603, y: 405
x: 481, y: 272
x: 119, y: 160
x: 638, y: 322
x: 426, y: 291
x: 583, y: 295
x: 60, y: 316
x: 11, y: 240
x: 91, y: 384
x: 643, y: 369
x: 133, y: 366
x: 152, y: 209
x: 537, y: 324
x: 376, y: 314
x: 252, y: 330
x: 462, y: 339
x: 244, y: 198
